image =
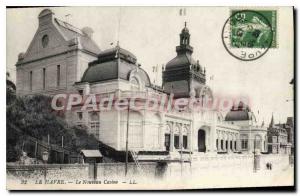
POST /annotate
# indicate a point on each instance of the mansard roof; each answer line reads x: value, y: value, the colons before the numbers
x: 181, y: 60
x: 113, y: 64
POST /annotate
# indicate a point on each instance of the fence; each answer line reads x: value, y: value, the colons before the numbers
x: 150, y: 170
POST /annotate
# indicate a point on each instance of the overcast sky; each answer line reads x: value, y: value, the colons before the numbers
x: 152, y: 33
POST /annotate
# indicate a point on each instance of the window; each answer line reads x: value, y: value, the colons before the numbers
x: 231, y: 145
x: 244, y: 142
x: 217, y: 144
x: 257, y: 143
x: 222, y: 145
x: 176, y: 141
x: 226, y: 144
x: 185, y: 141
x: 45, y: 41
x: 79, y: 116
x: 274, y: 139
x: 94, y: 123
x: 80, y: 92
x: 235, y: 145
x: 44, y: 78
x: 30, y: 81
x: 167, y: 141
x: 58, y: 75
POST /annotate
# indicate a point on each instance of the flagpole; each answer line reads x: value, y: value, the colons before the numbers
x: 127, y: 131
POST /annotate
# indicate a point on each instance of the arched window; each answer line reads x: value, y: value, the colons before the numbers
x: 176, y: 137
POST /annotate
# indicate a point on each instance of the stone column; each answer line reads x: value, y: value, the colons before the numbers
x: 250, y: 142
x: 213, y: 132
x: 189, y: 140
x: 219, y: 143
x: 172, y: 137
x: 181, y: 136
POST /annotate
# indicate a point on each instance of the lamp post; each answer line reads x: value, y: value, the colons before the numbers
x: 45, y: 157
x: 256, y: 157
x: 127, y: 133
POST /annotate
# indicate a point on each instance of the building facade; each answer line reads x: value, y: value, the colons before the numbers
x: 278, y: 138
x: 64, y: 59
x: 56, y: 57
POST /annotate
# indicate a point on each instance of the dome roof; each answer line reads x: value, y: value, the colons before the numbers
x: 109, y: 67
x: 237, y: 116
x: 241, y: 112
x: 185, y: 30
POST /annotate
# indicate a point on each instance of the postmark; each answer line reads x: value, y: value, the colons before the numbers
x: 247, y: 34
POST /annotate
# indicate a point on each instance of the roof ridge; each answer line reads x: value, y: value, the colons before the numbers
x: 71, y: 27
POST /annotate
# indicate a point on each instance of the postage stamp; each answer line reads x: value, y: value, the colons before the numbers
x: 253, y: 29
x: 248, y: 34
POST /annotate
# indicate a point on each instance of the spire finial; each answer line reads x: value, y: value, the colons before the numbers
x: 185, y: 24
x: 272, y: 121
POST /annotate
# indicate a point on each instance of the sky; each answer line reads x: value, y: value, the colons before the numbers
x: 152, y: 33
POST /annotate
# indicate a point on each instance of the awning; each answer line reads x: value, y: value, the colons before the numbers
x: 91, y: 153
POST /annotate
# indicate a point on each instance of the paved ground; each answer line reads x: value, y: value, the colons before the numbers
x: 235, y: 178
x: 220, y: 174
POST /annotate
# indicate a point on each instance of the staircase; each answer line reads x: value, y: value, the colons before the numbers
x: 134, y: 156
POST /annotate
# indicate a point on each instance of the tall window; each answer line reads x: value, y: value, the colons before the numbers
x: 185, y: 141
x: 222, y: 145
x: 257, y: 142
x: 30, y: 81
x: 176, y: 141
x: 244, y: 142
x: 167, y: 141
x: 217, y: 144
x: 58, y: 75
x: 94, y: 123
x: 44, y: 78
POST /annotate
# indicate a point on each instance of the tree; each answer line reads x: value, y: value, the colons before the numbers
x: 34, y: 116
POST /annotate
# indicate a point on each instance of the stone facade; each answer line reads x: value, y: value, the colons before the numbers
x: 278, y: 139
x: 55, y: 59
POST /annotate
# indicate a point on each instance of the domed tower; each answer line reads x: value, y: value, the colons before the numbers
x: 183, y: 76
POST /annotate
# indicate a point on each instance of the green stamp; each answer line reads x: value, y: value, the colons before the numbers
x: 253, y: 29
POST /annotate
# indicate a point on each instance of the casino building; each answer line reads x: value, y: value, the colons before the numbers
x: 64, y: 59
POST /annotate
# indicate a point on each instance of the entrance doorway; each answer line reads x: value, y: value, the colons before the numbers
x: 201, y: 141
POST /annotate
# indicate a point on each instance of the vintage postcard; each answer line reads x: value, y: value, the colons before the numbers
x: 149, y: 98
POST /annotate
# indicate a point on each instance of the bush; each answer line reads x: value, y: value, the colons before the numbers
x: 34, y: 116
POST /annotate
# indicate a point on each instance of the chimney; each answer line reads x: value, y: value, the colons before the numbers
x: 45, y: 17
x: 88, y: 32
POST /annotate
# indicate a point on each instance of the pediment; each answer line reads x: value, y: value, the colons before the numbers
x: 47, y: 41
